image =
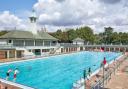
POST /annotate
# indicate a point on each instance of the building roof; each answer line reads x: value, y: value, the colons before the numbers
x: 27, y: 35
x: 45, y: 35
x: 78, y: 39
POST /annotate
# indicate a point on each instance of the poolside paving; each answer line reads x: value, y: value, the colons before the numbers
x: 10, y: 60
x: 120, y: 79
x: 7, y: 86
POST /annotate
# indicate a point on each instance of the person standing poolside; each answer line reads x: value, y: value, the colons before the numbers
x: 89, y: 71
x: 8, y: 74
x: 15, y: 74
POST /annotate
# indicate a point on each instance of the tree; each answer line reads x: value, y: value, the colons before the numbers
x: 86, y: 33
x: 58, y: 34
x: 3, y: 32
x: 123, y: 38
x: 108, y: 35
x: 71, y: 34
x: 62, y: 36
x: 97, y: 39
x: 115, y: 38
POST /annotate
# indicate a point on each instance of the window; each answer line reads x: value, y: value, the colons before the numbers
x: 46, y: 43
x: 10, y: 41
x: 18, y: 42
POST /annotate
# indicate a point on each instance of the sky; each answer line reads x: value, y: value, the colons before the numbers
x: 63, y: 14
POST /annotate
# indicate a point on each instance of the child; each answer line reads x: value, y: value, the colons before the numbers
x: 8, y: 74
x: 15, y: 74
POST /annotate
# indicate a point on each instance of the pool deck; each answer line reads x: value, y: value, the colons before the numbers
x: 118, y: 80
x: 10, y: 60
x: 7, y: 86
x: 27, y: 58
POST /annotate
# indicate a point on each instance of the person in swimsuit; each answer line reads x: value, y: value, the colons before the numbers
x: 15, y: 74
x: 8, y: 74
x: 29, y: 68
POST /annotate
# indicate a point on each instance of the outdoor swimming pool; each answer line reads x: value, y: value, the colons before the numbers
x: 57, y: 72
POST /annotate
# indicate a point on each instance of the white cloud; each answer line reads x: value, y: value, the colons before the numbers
x: 68, y: 12
x: 55, y: 14
x: 9, y: 21
x: 95, y: 13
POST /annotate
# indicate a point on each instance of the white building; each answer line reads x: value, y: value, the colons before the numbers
x: 78, y: 41
x: 16, y: 44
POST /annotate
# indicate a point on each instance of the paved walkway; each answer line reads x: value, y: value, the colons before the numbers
x: 33, y: 57
x: 7, y: 86
x: 120, y: 79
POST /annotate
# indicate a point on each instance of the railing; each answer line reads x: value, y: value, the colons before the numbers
x: 54, y: 51
x: 70, y: 44
x: 5, y: 46
x: 100, y: 83
x: 106, y: 45
x: 94, y: 45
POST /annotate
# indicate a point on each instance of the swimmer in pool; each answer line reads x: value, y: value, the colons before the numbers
x: 8, y: 74
x: 16, y: 71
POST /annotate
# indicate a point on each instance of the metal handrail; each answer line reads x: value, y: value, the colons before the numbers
x: 107, y: 76
x: 100, y: 81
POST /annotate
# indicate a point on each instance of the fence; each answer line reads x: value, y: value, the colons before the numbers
x: 107, y: 76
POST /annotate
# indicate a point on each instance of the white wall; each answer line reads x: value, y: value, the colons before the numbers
x: 3, y: 41
x: 78, y: 42
x: 33, y: 27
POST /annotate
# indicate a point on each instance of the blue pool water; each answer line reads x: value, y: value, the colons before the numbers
x: 57, y: 72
